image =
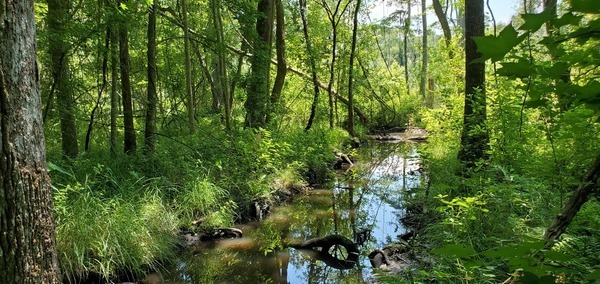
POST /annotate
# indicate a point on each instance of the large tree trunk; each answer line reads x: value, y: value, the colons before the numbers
x: 351, y: 70
x: 130, y: 145
x: 57, y: 17
x: 281, y: 61
x: 423, y: 85
x: 474, y: 139
x: 27, y: 242
x: 150, y: 133
x: 312, y: 64
x: 257, y: 100
x: 191, y: 110
x: 579, y: 197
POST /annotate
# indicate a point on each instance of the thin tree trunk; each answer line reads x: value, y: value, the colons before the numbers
x: 334, y: 19
x: 423, y: 85
x: 188, y: 69
x: 579, y: 197
x: 27, y: 241
x: 406, y: 34
x: 281, y: 61
x: 114, y: 95
x: 57, y: 18
x: 150, y: 133
x: 130, y: 145
x: 474, y: 139
x: 222, y: 81
x: 439, y: 12
x: 312, y: 64
x: 351, y: 70
x: 88, y: 134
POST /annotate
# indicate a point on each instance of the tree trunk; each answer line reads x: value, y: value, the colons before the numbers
x: 188, y: 69
x: 130, y: 141
x: 104, y: 52
x: 474, y: 139
x: 579, y: 197
x: 423, y: 85
x: 27, y: 242
x: 221, y: 80
x: 114, y: 95
x: 150, y: 132
x: 57, y: 19
x: 406, y: 33
x: 281, y: 61
x: 257, y: 100
x: 351, y: 70
x: 439, y: 12
x: 334, y: 20
x: 312, y: 64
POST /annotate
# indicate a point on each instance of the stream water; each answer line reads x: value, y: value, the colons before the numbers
x: 368, y: 196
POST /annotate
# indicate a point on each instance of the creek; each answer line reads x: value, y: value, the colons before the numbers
x: 367, y: 197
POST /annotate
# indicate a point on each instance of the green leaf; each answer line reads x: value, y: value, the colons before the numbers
x: 567, y: 19
x: 495, y: 48
x: 585, y: 6
x: 455, y: 250
x: 534, y: 22
x: 593, y: 276
x: 521, y: 69
x: 554, y: 255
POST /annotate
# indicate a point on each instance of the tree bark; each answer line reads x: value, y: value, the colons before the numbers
x: 257, y: 100
x: 439, y: 12
x: 114, y: 95
x: 57, y: 19
x: 351, y: 70
x: 406, y: 33
x: 150, y: 131
x: 423, y: 85
x: 221, y: 80
x: 579, y: 197
x: 130, y: 145
x: 312, y: 64
x: 281, y: 60
x: 27, y: 242
x: 474, y: 139
x: 188, y: 69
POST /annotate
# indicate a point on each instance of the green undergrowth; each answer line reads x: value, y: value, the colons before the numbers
x: 118, y: 213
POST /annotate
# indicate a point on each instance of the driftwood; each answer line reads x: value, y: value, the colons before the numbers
x: 387, y: 255
x: 318, y: 248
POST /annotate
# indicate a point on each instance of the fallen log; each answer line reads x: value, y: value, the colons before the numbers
x: 319, y: 249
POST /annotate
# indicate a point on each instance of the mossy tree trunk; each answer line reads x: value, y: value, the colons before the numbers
x: 257, y: 100
x: 27, y: 243
x: 474, y: 138
x: 57, y: 20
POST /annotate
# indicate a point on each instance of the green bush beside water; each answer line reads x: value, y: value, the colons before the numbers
x: 122, y: 213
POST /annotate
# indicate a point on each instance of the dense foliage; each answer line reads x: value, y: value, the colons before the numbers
x: 223, y: 140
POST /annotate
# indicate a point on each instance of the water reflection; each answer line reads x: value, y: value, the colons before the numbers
x: 367, y: 198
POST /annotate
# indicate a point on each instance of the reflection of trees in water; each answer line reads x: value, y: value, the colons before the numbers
x: 371, y: 192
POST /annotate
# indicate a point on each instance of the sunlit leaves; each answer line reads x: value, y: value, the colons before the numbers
x: 495, y: 48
